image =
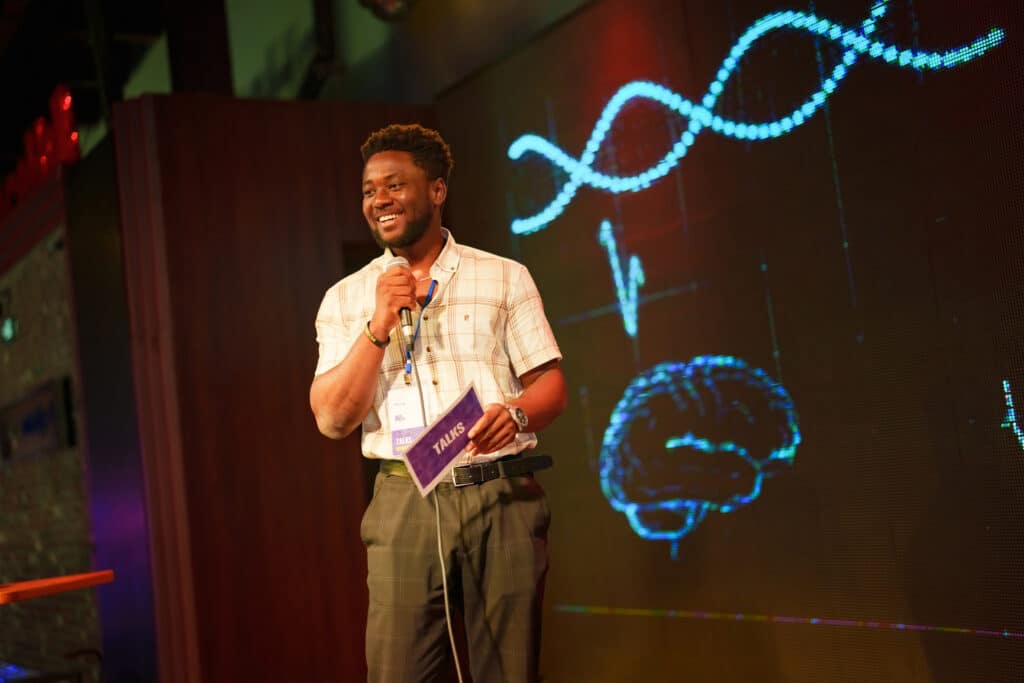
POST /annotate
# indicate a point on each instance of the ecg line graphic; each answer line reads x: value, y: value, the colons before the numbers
x: 626, y: 292
x: 1010, y: 422
x: 856, y: 44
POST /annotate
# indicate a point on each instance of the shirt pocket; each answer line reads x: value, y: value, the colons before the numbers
x: 474, y: 329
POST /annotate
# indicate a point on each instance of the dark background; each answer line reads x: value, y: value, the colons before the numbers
x: 903, y: 502
x: 868, y: 263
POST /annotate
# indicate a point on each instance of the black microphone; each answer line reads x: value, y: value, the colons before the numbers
x: 404, y: 313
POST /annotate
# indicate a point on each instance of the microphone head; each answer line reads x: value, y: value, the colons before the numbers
x: 397, y: 261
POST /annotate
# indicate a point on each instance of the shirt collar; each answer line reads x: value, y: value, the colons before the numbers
x: 446, y: 263
x: 448, y: 260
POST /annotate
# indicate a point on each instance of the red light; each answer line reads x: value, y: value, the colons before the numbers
x: 42, y: 160
x: 66, y: 104
x: 74, y: 136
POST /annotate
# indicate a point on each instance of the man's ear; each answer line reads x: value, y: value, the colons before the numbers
x: 439, y: 191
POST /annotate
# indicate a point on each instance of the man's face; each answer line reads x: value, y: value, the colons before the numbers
x: 399, y: 202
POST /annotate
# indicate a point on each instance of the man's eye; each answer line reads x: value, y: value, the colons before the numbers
x: 394, y: 186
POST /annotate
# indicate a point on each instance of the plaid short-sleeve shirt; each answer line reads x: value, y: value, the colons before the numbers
x: 484, y: 325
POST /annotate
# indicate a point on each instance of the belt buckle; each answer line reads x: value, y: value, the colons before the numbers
x: 463, y: 475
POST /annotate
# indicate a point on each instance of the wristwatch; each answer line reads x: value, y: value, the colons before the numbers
x: 519, y: 417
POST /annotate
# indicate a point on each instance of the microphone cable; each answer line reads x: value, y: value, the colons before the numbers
x: 411, y: 361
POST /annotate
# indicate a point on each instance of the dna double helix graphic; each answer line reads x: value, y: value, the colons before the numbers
x: 857, y: 44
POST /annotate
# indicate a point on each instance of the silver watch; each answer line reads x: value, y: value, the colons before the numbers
x: 519, y: 417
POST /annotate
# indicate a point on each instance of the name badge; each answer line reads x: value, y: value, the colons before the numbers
x: 405, y: 417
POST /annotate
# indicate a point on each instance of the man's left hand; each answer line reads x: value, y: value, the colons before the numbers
x: 493, y: 431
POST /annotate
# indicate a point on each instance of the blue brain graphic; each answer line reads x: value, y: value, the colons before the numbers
x: 690, y: 438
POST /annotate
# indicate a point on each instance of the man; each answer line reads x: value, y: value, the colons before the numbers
x: 480, y: 320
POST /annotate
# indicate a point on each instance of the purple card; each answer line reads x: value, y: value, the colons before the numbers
x: 430, y: 457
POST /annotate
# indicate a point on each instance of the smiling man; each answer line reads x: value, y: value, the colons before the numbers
x: 479, y: 320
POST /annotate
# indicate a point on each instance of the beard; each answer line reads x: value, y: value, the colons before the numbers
x: 414, y: 230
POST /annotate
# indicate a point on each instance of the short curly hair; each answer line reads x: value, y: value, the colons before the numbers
x: 428, y: 149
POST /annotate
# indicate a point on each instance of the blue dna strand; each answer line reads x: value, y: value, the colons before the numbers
x: 857, y: 44
x: 1010, y: 421
x: 691, y: 438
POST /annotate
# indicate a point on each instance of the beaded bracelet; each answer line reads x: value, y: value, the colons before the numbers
x: 376, y: 342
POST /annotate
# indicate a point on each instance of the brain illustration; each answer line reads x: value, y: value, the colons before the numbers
x: 690, y: 438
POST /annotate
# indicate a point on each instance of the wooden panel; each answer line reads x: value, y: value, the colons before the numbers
x: 156, y: 393
x: 234, y: 216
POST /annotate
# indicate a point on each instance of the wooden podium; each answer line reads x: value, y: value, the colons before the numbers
x: 38, y: 588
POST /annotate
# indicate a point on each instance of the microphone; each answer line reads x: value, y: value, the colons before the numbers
x: 404, y: 313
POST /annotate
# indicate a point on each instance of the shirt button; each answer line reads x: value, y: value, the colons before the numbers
x: 426, y: 317
x: 435, y: 382
x: 428, y: 349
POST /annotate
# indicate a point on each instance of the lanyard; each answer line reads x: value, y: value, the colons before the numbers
x: 416, y: 333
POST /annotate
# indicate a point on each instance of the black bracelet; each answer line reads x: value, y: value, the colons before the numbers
x: 376, y: 342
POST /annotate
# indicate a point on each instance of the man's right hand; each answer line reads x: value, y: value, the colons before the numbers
x: 396, y: 289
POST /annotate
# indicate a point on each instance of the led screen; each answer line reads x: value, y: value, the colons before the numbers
x: 781, y: 248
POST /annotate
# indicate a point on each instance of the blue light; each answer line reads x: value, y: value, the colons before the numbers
x: 715, y: 395
x: 625, y: 288
x: 8, y: 329
x: 582, y: 172
x: 1010, y: 422
x: 12, y: 672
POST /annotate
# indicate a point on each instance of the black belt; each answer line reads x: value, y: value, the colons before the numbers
x: 478, y: 473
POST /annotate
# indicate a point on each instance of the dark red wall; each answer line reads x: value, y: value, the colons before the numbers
x: 235, y: 215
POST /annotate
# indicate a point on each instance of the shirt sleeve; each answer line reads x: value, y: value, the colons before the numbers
x: 334, y: 335
x: 531, y: 343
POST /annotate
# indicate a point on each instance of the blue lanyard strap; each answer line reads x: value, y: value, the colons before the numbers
x: 416, y: 334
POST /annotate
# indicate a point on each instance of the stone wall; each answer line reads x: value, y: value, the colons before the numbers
x: 44, y: 523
